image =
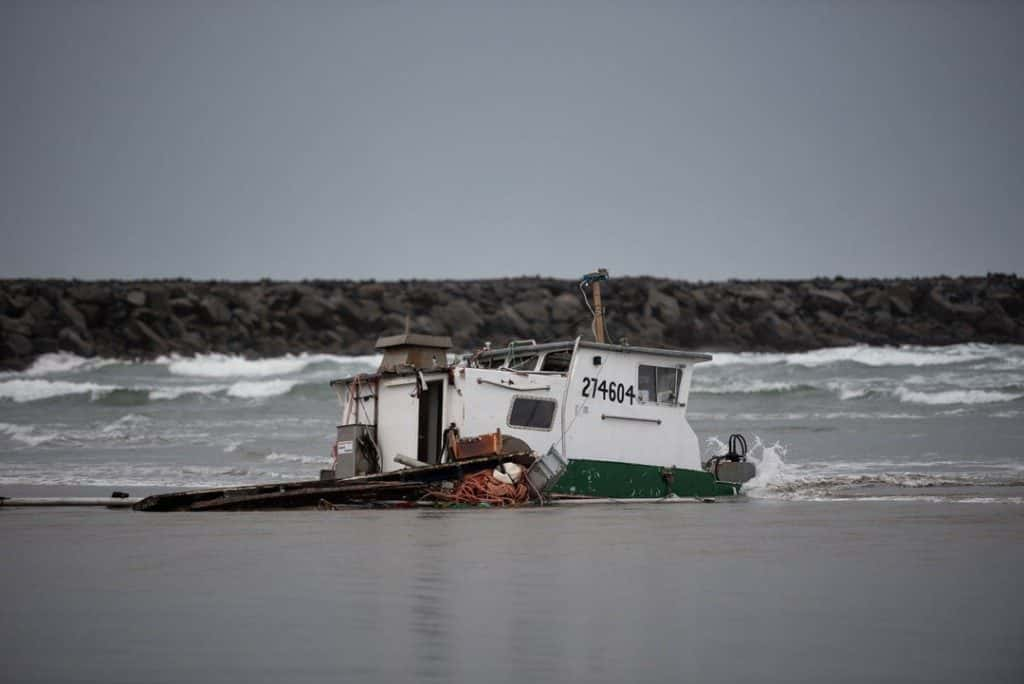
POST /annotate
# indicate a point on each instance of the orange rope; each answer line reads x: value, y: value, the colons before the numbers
x: 483, y: 488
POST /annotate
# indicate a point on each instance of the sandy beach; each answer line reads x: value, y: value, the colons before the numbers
x: 745, y: 591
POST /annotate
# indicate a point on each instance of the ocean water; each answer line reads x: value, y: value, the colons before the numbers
x: 941, y: 424
x: 882, y: 540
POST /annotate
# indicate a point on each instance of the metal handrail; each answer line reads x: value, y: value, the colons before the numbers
x: 605, y: 416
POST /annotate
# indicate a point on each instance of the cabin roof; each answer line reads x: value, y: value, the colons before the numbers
x: 695, y: 357
x: 414, y: 340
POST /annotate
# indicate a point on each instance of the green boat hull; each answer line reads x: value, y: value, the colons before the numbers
x: 614, y: 480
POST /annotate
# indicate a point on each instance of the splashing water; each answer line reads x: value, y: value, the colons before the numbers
x: 768, y: 459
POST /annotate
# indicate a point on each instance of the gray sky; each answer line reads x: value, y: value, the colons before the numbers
x: 433, y: 139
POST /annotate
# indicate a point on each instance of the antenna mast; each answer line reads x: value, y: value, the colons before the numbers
x: 594, y: 281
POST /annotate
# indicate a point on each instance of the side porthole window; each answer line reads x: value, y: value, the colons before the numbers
x: 536, y: 414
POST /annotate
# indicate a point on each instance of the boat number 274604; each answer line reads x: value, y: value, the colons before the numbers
x: 609, y: 391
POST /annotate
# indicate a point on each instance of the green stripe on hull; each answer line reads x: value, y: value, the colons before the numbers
x: 610, y: 479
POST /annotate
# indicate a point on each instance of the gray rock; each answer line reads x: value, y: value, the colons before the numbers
x: 40, y: 309
x: 458, y: 316
x: 566, y: 307
x: 213, y: 310
x: 996, y: 322
x: 69, y: 339
x: 829, y: 300
x: 661, y: 306
x: 949, y: 312
x: 783, y: 306
x: 901, y: 305
x: 351, y: 311
x: 826, y: 319
x: 73, y: 316
x: 703, y: 303
x: 877, y: 300
x: 771, y: 329
x: 182, y: 306
x: 17, y: 326
x: 135, y: 298
x: 533, y: 309
x: 156, y: 343
x: 90, y: 293
x: 314, y: 311
x: 158, y: 299
x: 16, y: 345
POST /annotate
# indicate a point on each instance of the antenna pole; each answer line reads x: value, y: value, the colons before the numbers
x: 598, y: 311
x: 594, y: 280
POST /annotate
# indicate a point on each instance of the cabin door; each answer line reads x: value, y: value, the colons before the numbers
x: 430, y: 423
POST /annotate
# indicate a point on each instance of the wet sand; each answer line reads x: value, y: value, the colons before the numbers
x: 744, y: 591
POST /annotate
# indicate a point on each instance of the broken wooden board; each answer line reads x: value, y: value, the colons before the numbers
x: 309, y: 492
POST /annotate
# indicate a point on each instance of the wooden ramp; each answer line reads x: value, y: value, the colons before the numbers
x: 402, y: 485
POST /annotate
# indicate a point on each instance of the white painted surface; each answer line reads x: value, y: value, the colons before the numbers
x: 602, y: 426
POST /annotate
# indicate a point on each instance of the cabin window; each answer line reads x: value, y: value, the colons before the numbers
x: 524, y: 363
x: 557, y: 361
x: 536, y: 414
x: 659, y: 384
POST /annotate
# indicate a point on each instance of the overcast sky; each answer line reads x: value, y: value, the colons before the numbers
x: 434, y: 139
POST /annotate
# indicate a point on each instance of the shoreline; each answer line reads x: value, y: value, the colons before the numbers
x: 144, y: 319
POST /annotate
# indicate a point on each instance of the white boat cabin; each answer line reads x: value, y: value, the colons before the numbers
x: 590, y: 400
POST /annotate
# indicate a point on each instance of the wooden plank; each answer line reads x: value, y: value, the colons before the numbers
x: 296, y: 498
x: 277, y: 493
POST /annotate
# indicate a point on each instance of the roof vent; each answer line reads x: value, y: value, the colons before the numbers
x: 413, y: 350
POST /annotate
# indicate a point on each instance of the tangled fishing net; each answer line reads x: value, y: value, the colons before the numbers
x: 484, y: 488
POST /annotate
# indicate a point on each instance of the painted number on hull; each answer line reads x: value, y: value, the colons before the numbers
x: 609, y: 391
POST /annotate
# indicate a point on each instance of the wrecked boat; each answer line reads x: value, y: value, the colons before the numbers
x: 572, y: 420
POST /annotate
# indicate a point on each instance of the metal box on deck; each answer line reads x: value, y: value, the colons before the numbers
x: 546, y: 470
x: 354, y: 451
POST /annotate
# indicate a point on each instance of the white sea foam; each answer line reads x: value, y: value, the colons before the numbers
x: 260, y: 389
x: 746, y: 386
x: 768, y: 459
x: 746, y: 359
x: 26, y: 434
x: 135, y: 475
x: 232, y: 366
x: 865, y: 355
x: 65, y: 362
x: 172, y: 392
x: 950, y: 397
x: 38, y: 389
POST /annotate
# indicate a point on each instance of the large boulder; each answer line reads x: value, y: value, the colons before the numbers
x: 314, y: 311
x: 566, y: 307
x: 40, y: 309
x: 213, y: 310
x: 153, y: 340
x: 661, y: 306
x: 771, y: 330
x: 15, y: 345
x: 72, y: 315
x: 833, y: 301
x: 945, y: 310
x: 135, y: 298
x: 457, y: 317
x: 70, y: 340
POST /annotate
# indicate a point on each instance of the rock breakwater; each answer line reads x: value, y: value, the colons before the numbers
x: 269, y: 318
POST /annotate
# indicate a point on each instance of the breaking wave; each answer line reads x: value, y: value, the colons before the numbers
x: 37, y: 389
x: 861, y: 480
x: 952, y: 397
x: 234, y: 366
x: 296, y: 458
x: 864, y: 355
x: 740, y: 386
x: 260, y: 389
